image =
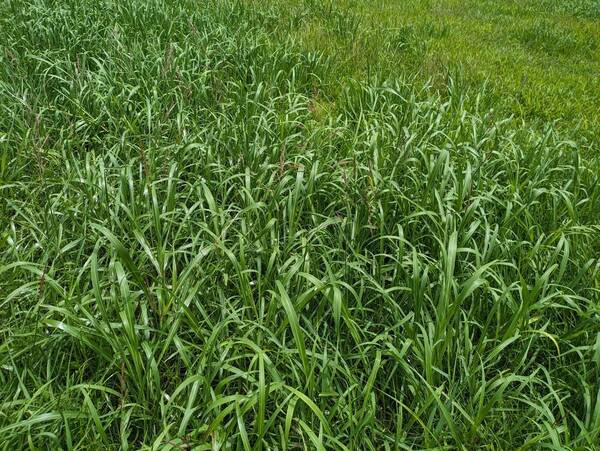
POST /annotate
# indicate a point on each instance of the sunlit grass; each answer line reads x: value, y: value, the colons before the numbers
x: 211, y: 239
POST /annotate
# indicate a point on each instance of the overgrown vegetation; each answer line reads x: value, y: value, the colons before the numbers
x: 212, y: 239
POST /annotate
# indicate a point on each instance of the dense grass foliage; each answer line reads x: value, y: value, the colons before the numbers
x: 208, y: 241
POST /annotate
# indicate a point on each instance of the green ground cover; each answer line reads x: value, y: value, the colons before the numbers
x: 540, y: 59
x: 243, y: 225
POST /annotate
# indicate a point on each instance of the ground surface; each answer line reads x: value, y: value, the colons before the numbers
x: 244, y: 225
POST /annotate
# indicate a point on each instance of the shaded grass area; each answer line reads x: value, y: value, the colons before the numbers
x: 212, y: 238
x: 541, y: 59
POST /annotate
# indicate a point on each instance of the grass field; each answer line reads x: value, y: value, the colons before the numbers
x: 244, y: 225
x: 540, y: 59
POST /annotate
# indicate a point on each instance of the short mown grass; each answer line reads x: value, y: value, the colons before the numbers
x: 215, y: 238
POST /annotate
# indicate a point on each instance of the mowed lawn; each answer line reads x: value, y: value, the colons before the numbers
x: 299, y: 225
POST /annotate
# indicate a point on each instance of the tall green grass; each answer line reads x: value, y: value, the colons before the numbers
x: 203, y: 249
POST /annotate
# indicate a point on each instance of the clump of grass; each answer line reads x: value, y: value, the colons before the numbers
x: 405, y: 39
x: 196, y: 254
